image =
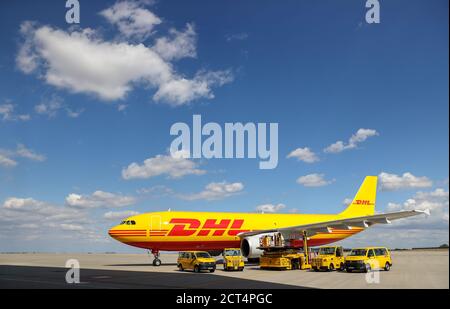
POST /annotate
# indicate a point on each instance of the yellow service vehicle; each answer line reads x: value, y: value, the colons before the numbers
x: 233, y: 259
x: 367, y: 259
x: 196, y: 261
x: 287, y: 259
x: 329, y: 258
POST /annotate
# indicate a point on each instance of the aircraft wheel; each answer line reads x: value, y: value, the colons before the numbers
x: 387, y: 267
x: 156, y: 262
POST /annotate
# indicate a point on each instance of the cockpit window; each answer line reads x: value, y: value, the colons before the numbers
x: 128, y: 222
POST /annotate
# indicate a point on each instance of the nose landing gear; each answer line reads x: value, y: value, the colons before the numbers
x: 156, y: 260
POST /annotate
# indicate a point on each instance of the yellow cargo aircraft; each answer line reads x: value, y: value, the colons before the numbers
x: 214, y: 231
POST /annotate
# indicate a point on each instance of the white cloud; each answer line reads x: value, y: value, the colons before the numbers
x: 360, y: 136
x: 80, y: 61
x: 99, y: 199
x: 7, y: 157
x: 314, y: 180
x: 31, y: 209
x: 174, y: 166
x: 73, y: 113
x: 24, y: 152
x: 6, y: 162
x: 71, y: 227
x: 156, y: 191
x: 236, y: 37
x: 31, y: 226
x: 55, y: 222
x: 180, y: 44
x: 392, y: 182
x: 49, y: 107
x: 132, y: 19
x: 392, y: 236
x: 347, y: 201
x: 436, y: 201
x: 215, y: 191
x: 304, y: 154
x: 7, y: 113
x: 181, y: 90
x: 122, y: 107
x: 119, y: 215
x: 27, y: 60
x: 270, y: 208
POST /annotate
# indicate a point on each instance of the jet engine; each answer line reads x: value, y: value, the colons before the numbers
x: 250, y: 244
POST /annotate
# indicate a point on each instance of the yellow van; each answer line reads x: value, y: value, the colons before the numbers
x: 367, y: 259
x: 196, y: 261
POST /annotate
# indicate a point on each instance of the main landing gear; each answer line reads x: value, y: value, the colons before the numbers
x: 156, y: 260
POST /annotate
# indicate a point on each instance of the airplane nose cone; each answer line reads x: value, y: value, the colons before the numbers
x: 112, y: 232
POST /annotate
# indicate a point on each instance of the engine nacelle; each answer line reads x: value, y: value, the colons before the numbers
x: 250, y: 244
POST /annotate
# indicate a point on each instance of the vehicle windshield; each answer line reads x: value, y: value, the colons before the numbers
x: 358, y: 252
x: 202, y: 255
x: 326, y: 250
x: 235, y: 252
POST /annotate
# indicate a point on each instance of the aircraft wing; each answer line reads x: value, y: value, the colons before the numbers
x: 348, y: 223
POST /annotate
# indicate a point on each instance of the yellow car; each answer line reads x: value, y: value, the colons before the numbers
x: 329, y: 258
x: 367, y: 259
x: 233, y: 259
x: 196, y: 261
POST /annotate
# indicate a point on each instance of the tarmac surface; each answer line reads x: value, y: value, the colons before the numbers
x: 411, y: 269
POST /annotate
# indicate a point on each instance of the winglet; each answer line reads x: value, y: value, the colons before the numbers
x: 425, y: 212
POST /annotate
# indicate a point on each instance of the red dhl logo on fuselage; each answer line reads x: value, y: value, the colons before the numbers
x: 362, y: 202
x: 211, y: 227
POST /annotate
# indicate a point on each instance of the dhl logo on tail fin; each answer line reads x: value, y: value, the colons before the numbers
x: 363, y: 203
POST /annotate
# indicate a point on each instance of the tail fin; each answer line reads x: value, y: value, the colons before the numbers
x: 363, y: 203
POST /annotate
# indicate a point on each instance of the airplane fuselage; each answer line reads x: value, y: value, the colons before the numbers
x: 176, y: 231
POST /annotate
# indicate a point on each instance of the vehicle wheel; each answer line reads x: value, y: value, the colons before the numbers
x: 212, y: 270
x: 331, y: 267
x: 196, y: 269
x: 387, y: 267
x: 342, y: 267
x: 348, y: 270
x: 315, y: 269
x: 180, y: 267
x: 241, y: 269
x: 225, y: 267
x: 156, y: 262
x: 367, y: 268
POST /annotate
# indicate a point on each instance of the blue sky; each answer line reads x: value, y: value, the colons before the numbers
x: 68, y: 129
